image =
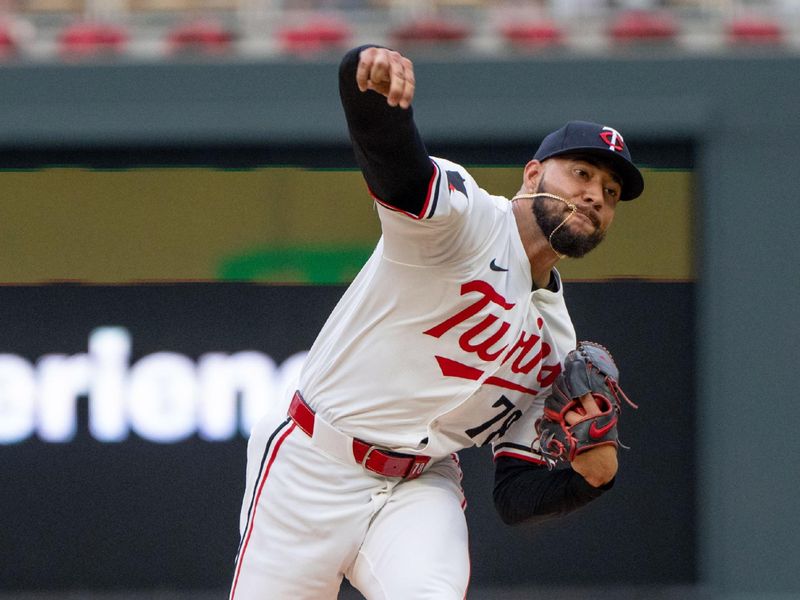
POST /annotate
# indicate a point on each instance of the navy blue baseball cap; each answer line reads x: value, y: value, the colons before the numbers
x: 583, y: 137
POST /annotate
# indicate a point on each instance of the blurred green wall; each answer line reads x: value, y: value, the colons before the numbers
x: 267, y: 224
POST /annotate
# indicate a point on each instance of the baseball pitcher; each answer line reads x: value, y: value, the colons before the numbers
x: 454, y: 334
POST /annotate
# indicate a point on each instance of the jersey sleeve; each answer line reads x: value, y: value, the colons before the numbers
x: 458, y: 219
x: 434, y: 191
x: 519, y: 441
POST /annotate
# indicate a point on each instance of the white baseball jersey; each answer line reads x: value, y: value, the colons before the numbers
x: 440, y: 342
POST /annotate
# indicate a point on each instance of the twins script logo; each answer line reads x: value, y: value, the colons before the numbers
x: 613, y: 138
x: 528, y: 352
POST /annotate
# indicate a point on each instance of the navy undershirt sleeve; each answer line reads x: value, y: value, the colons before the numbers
x: 387, y: 145
x: 526, y: 492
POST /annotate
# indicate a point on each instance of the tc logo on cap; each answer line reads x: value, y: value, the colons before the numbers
x: 613, y: 138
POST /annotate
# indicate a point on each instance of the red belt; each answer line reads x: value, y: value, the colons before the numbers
x: 378, y: 460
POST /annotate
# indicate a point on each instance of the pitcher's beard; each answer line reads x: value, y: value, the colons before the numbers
x: 550, y: 216
x: 564, y: 241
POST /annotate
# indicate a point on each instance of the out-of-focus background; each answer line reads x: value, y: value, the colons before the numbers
x: 155, y: 29
x: 180, y: 210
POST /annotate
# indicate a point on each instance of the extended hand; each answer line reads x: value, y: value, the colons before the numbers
x: 597, y: 465
x: 387, y: 72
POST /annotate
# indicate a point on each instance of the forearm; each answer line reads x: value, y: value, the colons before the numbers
x: 387, y: 145
x: 525, y: 492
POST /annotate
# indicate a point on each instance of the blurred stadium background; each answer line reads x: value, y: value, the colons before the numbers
x: 181, y: 210
x: 46, y: 30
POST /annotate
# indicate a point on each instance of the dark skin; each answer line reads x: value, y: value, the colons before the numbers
x: 592, y: 187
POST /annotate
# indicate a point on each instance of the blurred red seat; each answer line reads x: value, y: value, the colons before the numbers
x: 430, y: 30
x: 204, y: 36
x: 754, y: 30
x: 85, y: 38
x: 314, y: 36
x: 8, y: 41
x: 642, y: 25
x: 532, y: 34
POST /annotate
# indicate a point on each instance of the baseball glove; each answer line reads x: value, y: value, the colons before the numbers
x: 589, y: 369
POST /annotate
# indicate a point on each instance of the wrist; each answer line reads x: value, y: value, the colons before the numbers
x: 599, y: 481
x: 597, y: 465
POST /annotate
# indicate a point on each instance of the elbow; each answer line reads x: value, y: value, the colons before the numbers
x: 512, y: 518
x: 504, y: 507
x: 507, y: 517
x: 500, y: 505
x: 514, y: 512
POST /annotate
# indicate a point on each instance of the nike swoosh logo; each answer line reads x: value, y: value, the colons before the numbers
x: 493, y: 266
x: 598, y: 432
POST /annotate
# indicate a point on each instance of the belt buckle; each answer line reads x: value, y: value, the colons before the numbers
x: 415, y: 468
x: 366, y: 456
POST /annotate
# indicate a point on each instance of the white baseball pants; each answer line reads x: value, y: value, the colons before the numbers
x: 309, y: 519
